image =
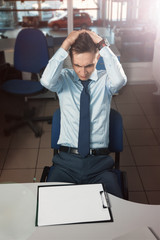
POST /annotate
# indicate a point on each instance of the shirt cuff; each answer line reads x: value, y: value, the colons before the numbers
x: 106, y: 52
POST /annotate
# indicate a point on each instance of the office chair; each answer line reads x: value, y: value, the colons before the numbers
x: 115, y: 146
x: 100, y: 64
x: 30, y: 55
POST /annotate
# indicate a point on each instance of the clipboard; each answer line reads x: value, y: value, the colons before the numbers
x: 71, y: 204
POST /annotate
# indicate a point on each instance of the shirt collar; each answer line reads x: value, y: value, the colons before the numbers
x: 94, y: 75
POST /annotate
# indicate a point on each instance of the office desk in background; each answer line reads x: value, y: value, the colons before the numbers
x: 18, y: 214
x: 7, y: 45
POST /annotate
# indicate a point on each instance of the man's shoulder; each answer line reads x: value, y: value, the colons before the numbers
x: 68, y: 72
x: 69, y: 75
x: 102, y: 74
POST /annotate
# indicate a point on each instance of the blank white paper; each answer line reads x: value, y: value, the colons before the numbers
x: 72, y: 204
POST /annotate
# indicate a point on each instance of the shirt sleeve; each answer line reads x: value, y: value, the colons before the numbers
x: 116, y: 77
x: 51, y: 78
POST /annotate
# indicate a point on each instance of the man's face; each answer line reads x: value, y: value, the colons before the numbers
x: 84, y: 64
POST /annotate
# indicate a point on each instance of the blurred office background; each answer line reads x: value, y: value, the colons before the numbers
x: 133, y: 30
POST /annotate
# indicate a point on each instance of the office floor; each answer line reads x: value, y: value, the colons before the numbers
x: 23, y: 156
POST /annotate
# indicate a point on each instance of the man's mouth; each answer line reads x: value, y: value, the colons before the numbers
x: 83, y: 77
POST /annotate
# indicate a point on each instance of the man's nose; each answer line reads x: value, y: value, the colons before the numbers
x: 83, y: 71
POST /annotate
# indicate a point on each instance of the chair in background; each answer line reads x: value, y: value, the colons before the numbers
x: 31, y: 56
x: 115, y: 146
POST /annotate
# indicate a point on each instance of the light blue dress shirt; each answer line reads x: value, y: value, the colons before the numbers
x: 103, y: 84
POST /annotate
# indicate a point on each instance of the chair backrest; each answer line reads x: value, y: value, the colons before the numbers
x: 115, y: 145
x: 55, y: 131
x: 100, y: 64
x: 115, y: 131
x: 31, y: 51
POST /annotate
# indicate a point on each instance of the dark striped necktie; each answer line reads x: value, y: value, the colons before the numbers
x: 84, y: 124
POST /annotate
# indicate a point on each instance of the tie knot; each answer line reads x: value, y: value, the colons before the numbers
x: 85, y: 83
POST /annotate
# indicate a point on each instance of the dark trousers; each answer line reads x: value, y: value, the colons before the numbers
x: 73, y: 168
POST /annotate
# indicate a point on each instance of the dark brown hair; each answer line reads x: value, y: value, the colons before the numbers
x: 83, y: 43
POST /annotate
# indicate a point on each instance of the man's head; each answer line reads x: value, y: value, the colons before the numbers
x: 84, y: 56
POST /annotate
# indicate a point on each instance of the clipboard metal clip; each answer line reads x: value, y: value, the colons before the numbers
x: 104, y: 199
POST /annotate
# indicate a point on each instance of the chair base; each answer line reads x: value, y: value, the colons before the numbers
x: 27, y: 119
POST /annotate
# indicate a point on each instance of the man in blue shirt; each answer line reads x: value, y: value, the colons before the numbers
x: 85, y: 48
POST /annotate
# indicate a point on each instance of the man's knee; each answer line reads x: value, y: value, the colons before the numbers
x: 59, y: 175
x: 110, y: 181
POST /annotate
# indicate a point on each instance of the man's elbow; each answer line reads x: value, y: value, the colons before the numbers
x: 124, y: 80
x: 43, y: 82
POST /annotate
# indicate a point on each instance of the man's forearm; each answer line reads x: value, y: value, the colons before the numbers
x: 71, y: 39
x: 115, y: 72
x: 66, y: 45
x: 53, y: 70
x: 50, y: 77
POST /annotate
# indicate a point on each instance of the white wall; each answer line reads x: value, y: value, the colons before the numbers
x: 156, y: 61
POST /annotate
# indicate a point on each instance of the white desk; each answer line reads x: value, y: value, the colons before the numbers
x: 18, y: 212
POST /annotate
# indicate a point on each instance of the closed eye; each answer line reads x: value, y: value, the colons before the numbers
x: 88, y: 66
